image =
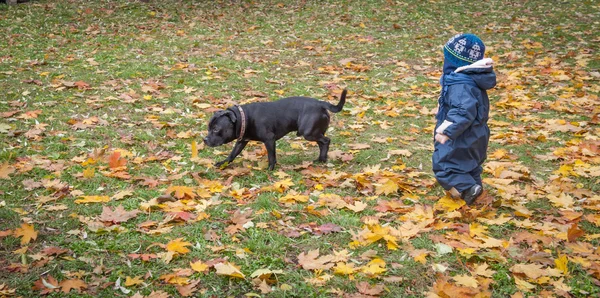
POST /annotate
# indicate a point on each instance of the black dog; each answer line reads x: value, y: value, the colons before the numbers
x: 270, y: 121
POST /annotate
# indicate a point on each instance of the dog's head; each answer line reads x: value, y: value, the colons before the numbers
x: 221, y: 128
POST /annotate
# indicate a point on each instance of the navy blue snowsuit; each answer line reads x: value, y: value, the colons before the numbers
x: 463, y: 102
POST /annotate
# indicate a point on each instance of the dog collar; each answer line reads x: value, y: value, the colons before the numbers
x: 243, y: 128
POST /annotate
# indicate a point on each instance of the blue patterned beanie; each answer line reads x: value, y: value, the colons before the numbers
x: 463, y: 49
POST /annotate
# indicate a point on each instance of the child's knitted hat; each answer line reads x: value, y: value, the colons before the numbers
x: 463, y: 49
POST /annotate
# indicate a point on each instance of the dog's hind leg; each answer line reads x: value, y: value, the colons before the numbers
x: 323, y: 143
x: 270, y: 146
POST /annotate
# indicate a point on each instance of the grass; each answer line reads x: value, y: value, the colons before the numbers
x: 145, y: 77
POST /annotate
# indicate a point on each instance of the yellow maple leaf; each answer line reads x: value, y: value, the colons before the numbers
x: 129, y: 281
x: 523, y: 285
x: 386, y: 186
x: 420, y: 255
x: 199, y: 266
x: 483, y: 270
x: 476, y: 229
x: 562, y: 201
x: 27, y: 232
x: 89, y: 173
x: 178, y: 246
x: 499, y: 154
x: 343, y: 268
x: 562, y: 264
x: 374, y: 268
x: 182, y: 192
x: 565, y: 171
x: 377, y: 232
x: 174, y: 279
x: 466, y: 280
x: 283, y: 185
x: 93, y: 199
x: 229, y: 269
x: 448, y: 204
x: 292, y: 198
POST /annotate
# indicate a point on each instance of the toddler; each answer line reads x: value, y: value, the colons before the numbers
x: 461, y: 131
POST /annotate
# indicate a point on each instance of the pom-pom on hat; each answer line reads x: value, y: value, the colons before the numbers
x: 463, y: 49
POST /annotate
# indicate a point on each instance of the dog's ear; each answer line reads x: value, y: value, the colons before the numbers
x: 218, y: 114
x: 231, y: 115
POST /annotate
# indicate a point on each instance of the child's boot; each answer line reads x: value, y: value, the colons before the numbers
x: 471, y: 194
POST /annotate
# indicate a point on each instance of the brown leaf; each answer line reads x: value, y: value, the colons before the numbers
x: 312, y: 261
x: 46, y: 284
x: 327, y: 228
x: 117, y: 215
x: 188, y: 290
x: 574, y: 232
x: 69, y: 284
x: 6, y: 170
x: 365, y: 288
x: 54, y: 250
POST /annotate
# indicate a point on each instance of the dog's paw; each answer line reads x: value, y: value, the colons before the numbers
x: 221, y: 164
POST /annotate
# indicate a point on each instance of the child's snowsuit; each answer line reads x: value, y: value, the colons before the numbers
x: 463, y: 114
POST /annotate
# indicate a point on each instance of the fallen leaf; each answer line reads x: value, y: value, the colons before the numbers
x: 129, y: 281
x: 229, y: 269
x: 466, y: 280
x: 6, y: 170
x: 178, y: 246
x: 312, y: 261
x: 27, y: 232
x: 117, y: 215
x: 199, y: 266
x: 70, y: 284
x: 93, y: 199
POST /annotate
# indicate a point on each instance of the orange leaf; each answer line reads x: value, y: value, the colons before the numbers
x: 69, y: 284
x: 26, y: 231
x: 45, y: 285
x: 182, y: 192
x: 115, y: 160
x: 574, y: 232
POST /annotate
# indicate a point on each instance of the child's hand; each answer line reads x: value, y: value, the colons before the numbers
x: 442, y: 138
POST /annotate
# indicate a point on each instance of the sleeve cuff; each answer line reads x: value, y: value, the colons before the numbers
x: 443, y: 126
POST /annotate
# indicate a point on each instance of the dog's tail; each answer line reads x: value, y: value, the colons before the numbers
x: 340, y: 105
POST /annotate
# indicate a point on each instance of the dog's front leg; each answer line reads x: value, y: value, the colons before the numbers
x: 237, y: 149
x: 270, y: 145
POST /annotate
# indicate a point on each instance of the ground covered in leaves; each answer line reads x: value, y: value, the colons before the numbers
x: 106, y: 189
